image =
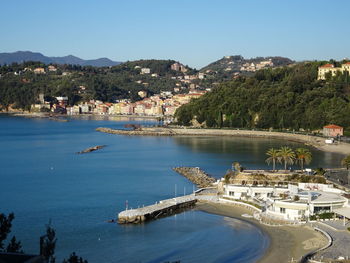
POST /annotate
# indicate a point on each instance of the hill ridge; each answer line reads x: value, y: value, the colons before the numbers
x: 22, y: 56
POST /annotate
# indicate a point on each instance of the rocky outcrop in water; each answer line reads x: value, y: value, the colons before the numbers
x: 139, y: 132
x: 196, y: 176
x: 91, y: 149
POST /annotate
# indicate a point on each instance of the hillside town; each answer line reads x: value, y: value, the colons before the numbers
x: 164, y: 104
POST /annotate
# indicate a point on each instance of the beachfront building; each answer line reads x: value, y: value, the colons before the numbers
x: 251, y: 192
x: 332, y: 130
x: 291, y: 202
x: 62, y: 101
x: 304, y: 204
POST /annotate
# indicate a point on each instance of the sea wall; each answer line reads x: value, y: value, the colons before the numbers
x: 315, y: 141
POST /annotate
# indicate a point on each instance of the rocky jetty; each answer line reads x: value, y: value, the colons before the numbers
x: 91, y: 149
x: 139, y: 132
x: 196, y: 176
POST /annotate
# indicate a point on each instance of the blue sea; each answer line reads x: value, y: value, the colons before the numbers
x: 43, y: 180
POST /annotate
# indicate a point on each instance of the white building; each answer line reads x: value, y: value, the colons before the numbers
x: 145, y: 71
x: 305, y: 204
x: 295, y: 202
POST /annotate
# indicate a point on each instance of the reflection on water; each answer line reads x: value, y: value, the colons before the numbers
x: 251, y: 152
x: 114, y: 118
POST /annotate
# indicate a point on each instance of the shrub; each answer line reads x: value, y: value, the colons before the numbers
x: 313, y: 217
x: 326, y: 215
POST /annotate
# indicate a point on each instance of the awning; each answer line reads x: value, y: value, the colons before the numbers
x: 344, y: 211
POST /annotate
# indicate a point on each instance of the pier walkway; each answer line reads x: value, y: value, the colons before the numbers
x: 162, y: 208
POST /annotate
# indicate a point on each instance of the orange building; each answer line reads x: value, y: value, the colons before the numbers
x: 332, y: 130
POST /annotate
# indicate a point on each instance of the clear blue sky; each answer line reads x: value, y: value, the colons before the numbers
x: 195, y: 32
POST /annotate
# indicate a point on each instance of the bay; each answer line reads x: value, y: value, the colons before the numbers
x: 43, y: 179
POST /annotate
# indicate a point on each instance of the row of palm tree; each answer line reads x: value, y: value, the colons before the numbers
x: 287, y: 156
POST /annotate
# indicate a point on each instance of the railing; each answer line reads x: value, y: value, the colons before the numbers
x: 240, y: 204
x: 306, y: 258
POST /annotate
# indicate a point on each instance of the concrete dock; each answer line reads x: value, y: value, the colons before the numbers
x: 163, y: 208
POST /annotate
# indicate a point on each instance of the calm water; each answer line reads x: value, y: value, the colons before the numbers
x: 42, y: 179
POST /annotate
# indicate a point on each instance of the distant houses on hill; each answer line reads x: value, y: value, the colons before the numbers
x: 330, y: 68
x: 163, y: 104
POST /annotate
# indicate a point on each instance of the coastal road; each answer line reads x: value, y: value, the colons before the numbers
x: 340, y: 246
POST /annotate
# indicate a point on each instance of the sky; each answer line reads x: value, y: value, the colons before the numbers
x: 194, y: 32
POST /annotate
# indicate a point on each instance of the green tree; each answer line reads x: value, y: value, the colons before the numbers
x: 236, y: 166
x: 287, y: 156
x: 346, y: 162
x: 14, y: 246
x: 5, y: 228
x: 273, y: 157
x: 48, y: 244
x: 73, y: 258
x: 303, y: 156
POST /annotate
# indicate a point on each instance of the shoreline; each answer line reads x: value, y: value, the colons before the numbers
x: 286, y: 242
x: 309, y: 140
x: 50, y: 114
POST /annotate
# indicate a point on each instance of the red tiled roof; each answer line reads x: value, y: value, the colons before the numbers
x: 332, y: 126
x: 327, y: 66
x: 347, y: 63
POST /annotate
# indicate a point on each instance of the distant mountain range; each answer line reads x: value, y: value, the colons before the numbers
x: 21, y: 56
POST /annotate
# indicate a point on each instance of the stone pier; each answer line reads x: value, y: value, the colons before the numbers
x: 161, y: 209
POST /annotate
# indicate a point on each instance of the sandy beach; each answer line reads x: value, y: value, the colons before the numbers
x: 314, y: 141
x: 286, y: 242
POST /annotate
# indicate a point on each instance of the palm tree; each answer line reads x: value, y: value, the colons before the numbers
x: 273, y: 157
x: 286, y: 155
x: 346, y: 162
x: 236, y: 166
x: 303, y: 156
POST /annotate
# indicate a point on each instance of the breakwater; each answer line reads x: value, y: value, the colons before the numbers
x: 196, y: 176
x: 314, y: 141
x: 140, y: 131
x: 160, y: 209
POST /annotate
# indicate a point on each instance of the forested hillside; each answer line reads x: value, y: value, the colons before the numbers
x: 283, y: 98
x: 20, y: 86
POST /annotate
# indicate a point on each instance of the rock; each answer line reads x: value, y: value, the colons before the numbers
x: 91, y: 149
x: 196, y: 176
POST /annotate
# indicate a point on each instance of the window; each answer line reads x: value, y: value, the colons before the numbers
x: 282, y: 210
x: 230, y: 193
x: 321, y: 209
